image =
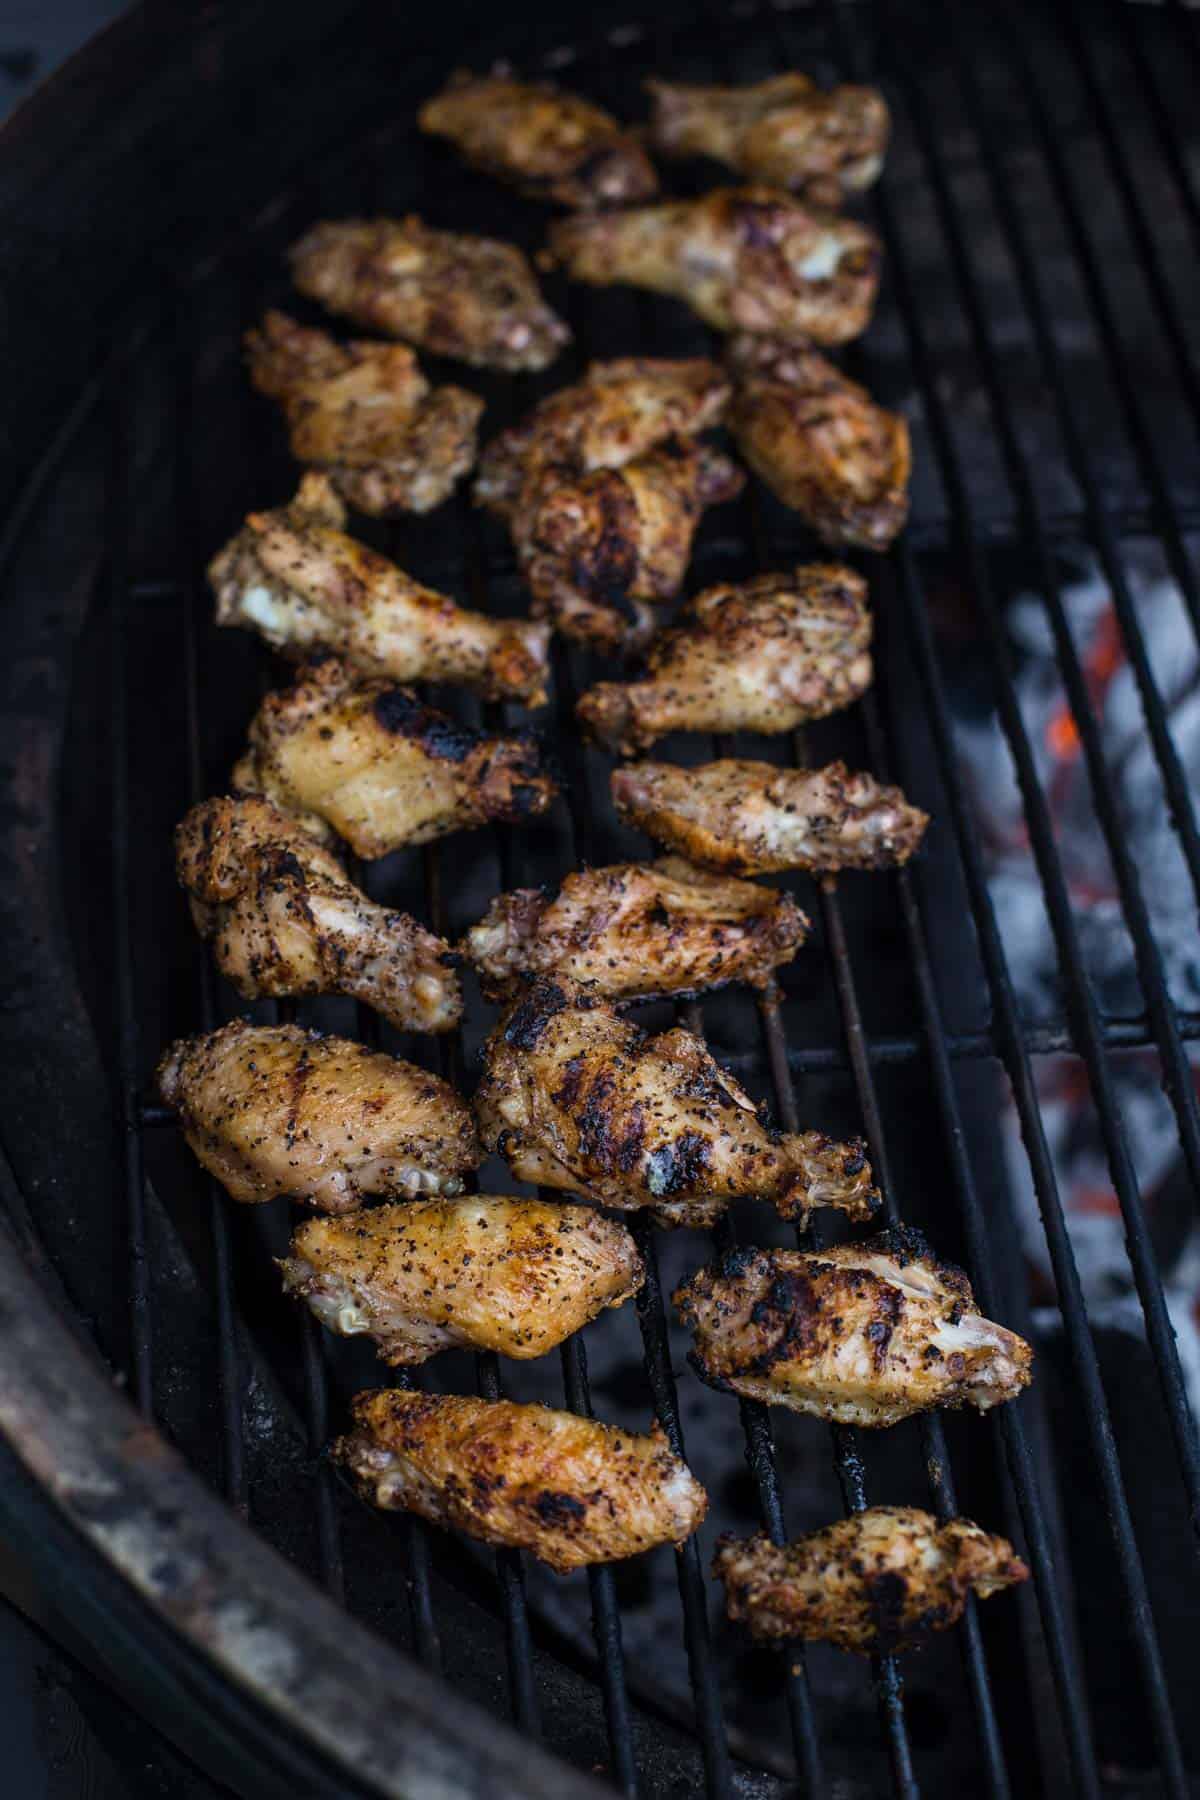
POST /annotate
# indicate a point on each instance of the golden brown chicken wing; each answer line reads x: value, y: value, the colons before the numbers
x: 747, y: 818
x: 819, y: 442
x: 567, y: 1488
x: 745, y: 259
x: 365, y: 414
x: 575, y: 1096
x: 863, y: 1334
x: 283, y: 919
x: 784, y: 131
x: 272, y: 1109
x: 294, y: 576
x: 761, y: 655
x: 550, y: 144
x: 618, y: 411
x: 600, y: 551
x: 514, y: 1276
x: 473, y: 298
x: 380, y: 767
x: 877, y: 1582
x: 638, y: 929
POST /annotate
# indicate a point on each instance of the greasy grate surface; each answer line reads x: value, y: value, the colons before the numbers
x: 1033, y: 328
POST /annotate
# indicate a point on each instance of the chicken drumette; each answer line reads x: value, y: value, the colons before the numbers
x: 877, y: 1582
x: 819, y: 442
x: 283, y: 919
x: 862, y: 1334
x: 748, y: 259
x: 380, y: 767
x: 550, y: 144
x: 296, y: 578
x: 784, y: 131
x: 272, y: 1109
x: 638, y: 929
x: 763, y: 655
x: 575, y: 1096
x: 514, y: 1276
x: 598, y: 552
x: 747, y: 818
x: 569, y: 1489
x: 472, y: 298
x: 366, y: 416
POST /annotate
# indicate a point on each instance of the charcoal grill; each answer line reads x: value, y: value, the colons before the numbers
x: 1040, y: 215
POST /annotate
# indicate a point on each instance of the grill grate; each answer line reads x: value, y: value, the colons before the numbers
x: 859, y: 43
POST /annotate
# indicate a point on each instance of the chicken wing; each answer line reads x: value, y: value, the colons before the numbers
x: 784, y: 131
x: 819, y: 442
x: 619, y: 411
x: 366, y: 415
x: 745, y: 259
x: 575, y: 1096
x: 380, y: 767
x: 763, y: 655
x: 473, y: 298
x: 283, y: 919
x: 638, y: 929
x: 272, y: 1109
x: 550, y: 144
x: 747, y: 818
x: 569, y: 1489
x: 514, y: 1276
x: 877, y: 1582
x: 863, y: 1334
x: 296, y: 578
x: 597, y: 552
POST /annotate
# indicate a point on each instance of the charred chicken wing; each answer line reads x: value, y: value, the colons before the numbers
x: 764, y: 655
x: 745, y: 259
x: 380, y: 767
x: 784, y: 131
x: 550, y: 144
x: 514, y: 1276
x: 748, y: 818
x: 877, y: 1582
x: 575, y: 1096
x: 863, y: 1334
x: 473, y: 298
x: 568, y: 1489
x: 366, y: 415
x: 296, y: 578
x: 283, y: 919
x: 637, y: 929
x: 819, y: 442
x: 599, y: 551
x: 272, y: 1109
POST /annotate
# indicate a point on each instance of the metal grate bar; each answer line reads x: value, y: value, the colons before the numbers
x: 1151, y: 91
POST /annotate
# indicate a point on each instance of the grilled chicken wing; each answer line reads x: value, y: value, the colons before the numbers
x: 575, y: 1096
x: 762, y: 655
x: 863, y: 1334
x: 877, y: 1582
x: 366, y: 415
x: 473, y: 298
x: 637, y: 929
x: 784, y: 131
x: 550, y: 144
x: 619, y: 411
x: 748, y: 818
x: 819, y: 442
x: 295, y: 577
x: 598, y: 551
x: 380, y: 767
x: 748, y: 259
x: 514, y: 1276
x: 272, y: 1109
x: 568, y: 1489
